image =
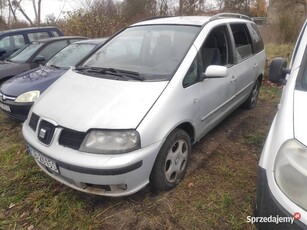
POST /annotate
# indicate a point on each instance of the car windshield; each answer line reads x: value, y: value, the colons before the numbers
x: 25, y: 53
x: 153, y: 52
x: 70, y: 55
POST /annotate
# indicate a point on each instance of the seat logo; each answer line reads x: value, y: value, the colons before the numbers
x: 42, y: 133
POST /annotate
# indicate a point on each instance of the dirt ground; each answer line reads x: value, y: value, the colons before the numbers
x: 218, y: 191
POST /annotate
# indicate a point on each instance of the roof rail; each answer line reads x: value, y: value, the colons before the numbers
x: 229, y: 15
x: 156, y: 17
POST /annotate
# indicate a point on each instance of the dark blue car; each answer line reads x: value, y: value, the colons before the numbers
x: 18, y: 94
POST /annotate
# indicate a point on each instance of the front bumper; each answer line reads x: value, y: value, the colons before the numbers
x: 108, y: 175
x: 268, y: 206
x: 17, y: 111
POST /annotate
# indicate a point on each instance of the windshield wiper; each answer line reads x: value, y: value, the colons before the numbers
x: 131, y: 74
x: 100, y: 70
x: 55, y: 66
x: 111, y: 71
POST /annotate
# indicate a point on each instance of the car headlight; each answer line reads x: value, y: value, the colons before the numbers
x: 291, y: 171
x: 30, y: 96
x: 110, y: 141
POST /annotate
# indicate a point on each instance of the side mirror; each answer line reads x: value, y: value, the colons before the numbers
x: 215, y: 71
x: 278, y: 71
x: 2, y: 52
x: 39, y: 59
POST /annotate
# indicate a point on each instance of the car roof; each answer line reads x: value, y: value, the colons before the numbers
x: 192, y: 20
x: 29, y: 29
x: 46, y: 40
x: 183, y: 20
x: 92, y: 41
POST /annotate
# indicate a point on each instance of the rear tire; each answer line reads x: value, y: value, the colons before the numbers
x: 252, y: 100
x: 172, y: 161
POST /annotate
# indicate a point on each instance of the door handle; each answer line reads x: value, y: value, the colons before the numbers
x: 255, y: 66
x: 233, y: 79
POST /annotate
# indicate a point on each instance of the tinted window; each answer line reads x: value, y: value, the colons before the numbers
x: 242, y: 41
x: 70, y: 55
x: 153, y: 51
x: 51, y: 49
x: 38, y: 35
x: 256, y: 37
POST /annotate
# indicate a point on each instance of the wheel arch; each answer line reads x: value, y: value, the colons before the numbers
x: 189, y: 128
x: 260, y: 78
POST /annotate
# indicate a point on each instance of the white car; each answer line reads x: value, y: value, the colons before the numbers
x: 128, y: 114
x: 282, y: 175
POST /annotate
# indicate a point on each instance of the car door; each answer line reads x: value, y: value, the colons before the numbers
x: 245, y: 69
x: 216, y: 93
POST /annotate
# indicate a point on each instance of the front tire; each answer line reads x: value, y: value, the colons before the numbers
x: 172, y: 161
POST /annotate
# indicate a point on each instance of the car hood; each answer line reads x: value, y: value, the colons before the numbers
x: 8, y: 69
x: 300, y: 116
x: 82, y: 102
x: 37, y: 79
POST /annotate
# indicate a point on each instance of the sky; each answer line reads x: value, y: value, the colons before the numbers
x: 55, y: 7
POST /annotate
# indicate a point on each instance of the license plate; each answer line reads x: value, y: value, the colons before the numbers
x: 50, y: 164
x: 5, y: 107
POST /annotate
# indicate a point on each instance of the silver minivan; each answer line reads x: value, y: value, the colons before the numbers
x: 128, y: 114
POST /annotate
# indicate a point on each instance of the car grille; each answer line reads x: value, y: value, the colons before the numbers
x: 71, y: 138
x: 45, y: 132
x: 33, y: 121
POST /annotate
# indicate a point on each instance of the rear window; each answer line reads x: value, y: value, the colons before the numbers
x: 256, y: 37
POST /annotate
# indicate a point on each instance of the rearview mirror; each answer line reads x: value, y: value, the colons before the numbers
x: 39, y: 59
x: 215, y: 71
x: 2, y: 51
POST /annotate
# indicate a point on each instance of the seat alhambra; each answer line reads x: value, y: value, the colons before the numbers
x: 127, y: 115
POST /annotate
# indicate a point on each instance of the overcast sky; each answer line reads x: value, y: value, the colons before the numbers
x: 56, y: 7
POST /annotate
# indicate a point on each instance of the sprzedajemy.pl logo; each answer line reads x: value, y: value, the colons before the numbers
x: 273, y: 219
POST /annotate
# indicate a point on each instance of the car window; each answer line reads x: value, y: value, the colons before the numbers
x: 298, y: 43
x: 51, y: 49
x: 153, y: 51
x: 70, y: 55
x: 191, y: 76
x: 242, y: 41
x: 301, y: 81
x: 12, y: 42
x: 55, y: 33
x: 25, y: 53
x: 256, y: 37
x: 37, y: 35
x: 216, y: 48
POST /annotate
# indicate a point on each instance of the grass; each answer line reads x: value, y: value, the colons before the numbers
x: 279, y: 50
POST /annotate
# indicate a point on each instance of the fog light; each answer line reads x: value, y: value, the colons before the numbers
x: 122, y: 186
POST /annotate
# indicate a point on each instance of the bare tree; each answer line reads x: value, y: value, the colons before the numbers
x: 15, y: 5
